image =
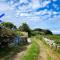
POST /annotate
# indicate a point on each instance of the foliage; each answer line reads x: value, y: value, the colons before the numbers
x: 56, y: 38
x: 19, y: 33
x: 33, y: 33
x: 48, y: 32
x: 8, y: 53
x: 42, y: 31
x: 8, y: 25
x: 24, y: 27
x: 6, y: 36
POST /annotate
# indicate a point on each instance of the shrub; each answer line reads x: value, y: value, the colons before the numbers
x: 6, y: 36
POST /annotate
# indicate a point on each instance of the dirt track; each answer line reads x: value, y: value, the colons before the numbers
x: 47, y: 53
x: 19, y: 55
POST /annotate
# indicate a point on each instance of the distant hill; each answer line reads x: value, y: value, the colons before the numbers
x: 42, y: 31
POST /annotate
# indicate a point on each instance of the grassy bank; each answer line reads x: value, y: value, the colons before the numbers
x: 33, y: 51
x: 56, y: 38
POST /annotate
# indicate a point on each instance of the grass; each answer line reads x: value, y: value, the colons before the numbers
x: 56, y: 38
x: 49, y: 58
x: 8, y: 53
x: 33, y: 52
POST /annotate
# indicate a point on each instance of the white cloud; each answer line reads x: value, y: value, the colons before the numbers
x: 4, y: 7
x: 38, y: 4
x: 30, y: 9
x: 44, y: 12
x: 45, y: 3
x: 35, y: 4
x: 24, y: 14
x: 25, y: 1
x: 54, y: 12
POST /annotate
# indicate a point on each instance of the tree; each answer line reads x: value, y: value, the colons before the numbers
x: 8, y: 25
x: 42, y: 31
x: 24, y: 27
x: 48, y: 32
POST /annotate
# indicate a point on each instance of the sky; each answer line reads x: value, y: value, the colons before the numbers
x: 43, y: 14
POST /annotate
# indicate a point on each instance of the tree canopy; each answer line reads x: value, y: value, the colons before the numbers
x: 8, y: 25
x: 24, y: 27
x: 42, y: 31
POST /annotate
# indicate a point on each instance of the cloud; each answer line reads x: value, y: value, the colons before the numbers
x: 34, y: 7
x: 4, y: 7
x: 25, y: 1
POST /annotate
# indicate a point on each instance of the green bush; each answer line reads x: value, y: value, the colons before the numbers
x: 6, y: 36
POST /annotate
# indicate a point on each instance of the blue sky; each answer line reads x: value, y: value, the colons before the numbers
x: 36, y: 13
